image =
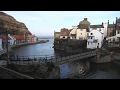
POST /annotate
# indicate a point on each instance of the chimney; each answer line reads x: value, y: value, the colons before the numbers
x: 113, y: 23
x: 108, y: 22
x: 102, y: 23
x: 116, y: 18
x: 85, y: 19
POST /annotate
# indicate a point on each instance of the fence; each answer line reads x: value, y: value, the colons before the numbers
x: 39, y: 59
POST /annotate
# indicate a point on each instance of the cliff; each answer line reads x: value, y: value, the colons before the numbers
x: 13, y: 26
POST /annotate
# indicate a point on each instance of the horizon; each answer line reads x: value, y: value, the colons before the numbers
x: 44, y: 23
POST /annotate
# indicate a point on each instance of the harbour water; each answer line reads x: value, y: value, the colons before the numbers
x: 69, y: 70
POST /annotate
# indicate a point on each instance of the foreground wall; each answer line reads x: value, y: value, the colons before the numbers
x: 10, y: 74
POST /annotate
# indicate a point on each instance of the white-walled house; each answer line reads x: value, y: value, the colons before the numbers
x: 95, y: 37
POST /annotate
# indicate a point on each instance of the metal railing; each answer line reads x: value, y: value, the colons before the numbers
x: 43, y: 59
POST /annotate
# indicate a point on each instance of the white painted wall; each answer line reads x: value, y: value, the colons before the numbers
x: 96, y: 35
x: 12, y: 40
x: 80, y: 33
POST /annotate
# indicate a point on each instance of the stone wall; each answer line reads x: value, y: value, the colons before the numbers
x: 6, y: 73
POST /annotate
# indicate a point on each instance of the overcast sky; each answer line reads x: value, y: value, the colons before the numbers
x: 43, y: 23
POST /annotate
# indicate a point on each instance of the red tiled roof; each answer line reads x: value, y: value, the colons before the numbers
x: 20, y: 37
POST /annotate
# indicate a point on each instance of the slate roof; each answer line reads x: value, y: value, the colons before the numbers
x: 111, y: 25
x: 96, y: 26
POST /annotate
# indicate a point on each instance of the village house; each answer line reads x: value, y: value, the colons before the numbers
x: 64, y: 33
x: 95, y: 37
x: 31, y: 38
x: 19, y: 38
x: 116, y: 36
x: 80, y: 32
x: 56, y: 35
x: 111, y: 29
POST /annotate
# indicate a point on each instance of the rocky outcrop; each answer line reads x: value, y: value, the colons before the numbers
x: 13, y: 26
x: 69, y: 45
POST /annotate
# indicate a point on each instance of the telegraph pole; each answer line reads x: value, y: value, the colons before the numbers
x: 8, y: 60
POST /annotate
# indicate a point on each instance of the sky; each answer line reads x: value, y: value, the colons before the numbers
x: 44, y: 23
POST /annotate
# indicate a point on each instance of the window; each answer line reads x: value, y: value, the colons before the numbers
x: 88, y: 43
x: 81, y: 33
x: 63, y: 37
x: 91, y: 33
x: 91, y: 37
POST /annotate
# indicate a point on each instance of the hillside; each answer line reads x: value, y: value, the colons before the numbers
x: 13, y: 26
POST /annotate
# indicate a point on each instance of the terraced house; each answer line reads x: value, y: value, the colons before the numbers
x: 115, y: 33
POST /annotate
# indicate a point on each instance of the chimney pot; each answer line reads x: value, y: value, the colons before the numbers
x: 85, y: 18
